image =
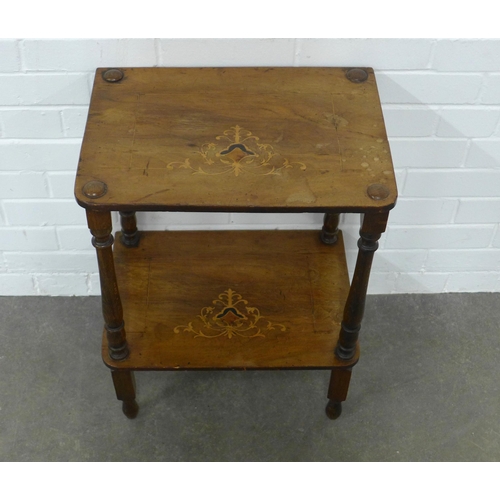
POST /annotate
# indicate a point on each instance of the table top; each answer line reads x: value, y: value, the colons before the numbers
x: 236, y: 139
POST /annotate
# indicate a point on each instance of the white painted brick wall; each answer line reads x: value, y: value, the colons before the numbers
x: 383, y: 54
x: 478, y: 210
x: 22, y: 185
x: 429, y: 87
x: 467, y: 55
x: 454, y: 183
x: 74, y: 238
x: 424, y: 211
x: 468, y: 122
x: 85, y: 55
x: 496, y: 241
x: 43, y: 212
x: 31, y: 124
x: 9, y: 60
x: 484, y: 153
x: 73, y: 121
x: 61, y: 184
x: 29, y: 239
x: 40, y: 155
x: 441, y: 102
x: 44, y: 89
x: 428, y: 152
x: 440, y: 236
x: 218, y: 52
x: 410, y: 121
x: 491, y: 91
x: 51, y: 262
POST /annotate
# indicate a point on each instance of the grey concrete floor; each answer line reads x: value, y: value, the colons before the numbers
x: 426, y: 389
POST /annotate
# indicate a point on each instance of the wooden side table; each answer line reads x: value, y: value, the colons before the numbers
x: 233, y: 140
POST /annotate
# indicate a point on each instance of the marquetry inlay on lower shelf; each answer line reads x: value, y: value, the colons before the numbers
x: 229, y: 316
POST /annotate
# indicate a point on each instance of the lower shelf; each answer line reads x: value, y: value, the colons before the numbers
x: 231, y: 300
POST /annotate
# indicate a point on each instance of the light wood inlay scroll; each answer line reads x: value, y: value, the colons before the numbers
x: 237, y: 151
x: 229, y: 316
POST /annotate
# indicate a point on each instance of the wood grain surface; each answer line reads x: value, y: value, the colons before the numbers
x: 231, y: 300
x: 236, y: 139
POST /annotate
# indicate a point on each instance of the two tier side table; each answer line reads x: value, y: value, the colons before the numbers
x: 254, y: 140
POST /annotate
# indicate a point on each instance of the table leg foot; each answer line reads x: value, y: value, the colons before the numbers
x: 130, y: 408
x: 124, y: 382
x: 337, y: 391
x: 333, y: 409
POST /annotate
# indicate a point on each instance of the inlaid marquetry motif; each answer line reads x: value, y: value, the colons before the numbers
x: 229, y: 316
x: 236, y: 151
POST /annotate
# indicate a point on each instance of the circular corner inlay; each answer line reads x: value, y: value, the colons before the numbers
x: 378, y: 192
x: 94, y: 189
x: 357, y: 75
x: 113, y: 75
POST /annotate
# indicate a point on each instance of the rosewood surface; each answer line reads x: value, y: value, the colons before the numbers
x: 234, y: 140
x: 231, y: 300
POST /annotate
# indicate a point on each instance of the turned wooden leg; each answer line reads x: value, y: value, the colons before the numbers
x: 372, y: 226
x: 130, y: 235
x: 124, y: 382
x: 329, y: 232
x: 100, y: 226
x: 337, y: 391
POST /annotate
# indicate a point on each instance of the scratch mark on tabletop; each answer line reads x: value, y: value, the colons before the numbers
x: 337, y: 134
x: 135, y: 126
x: 152, y: 194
